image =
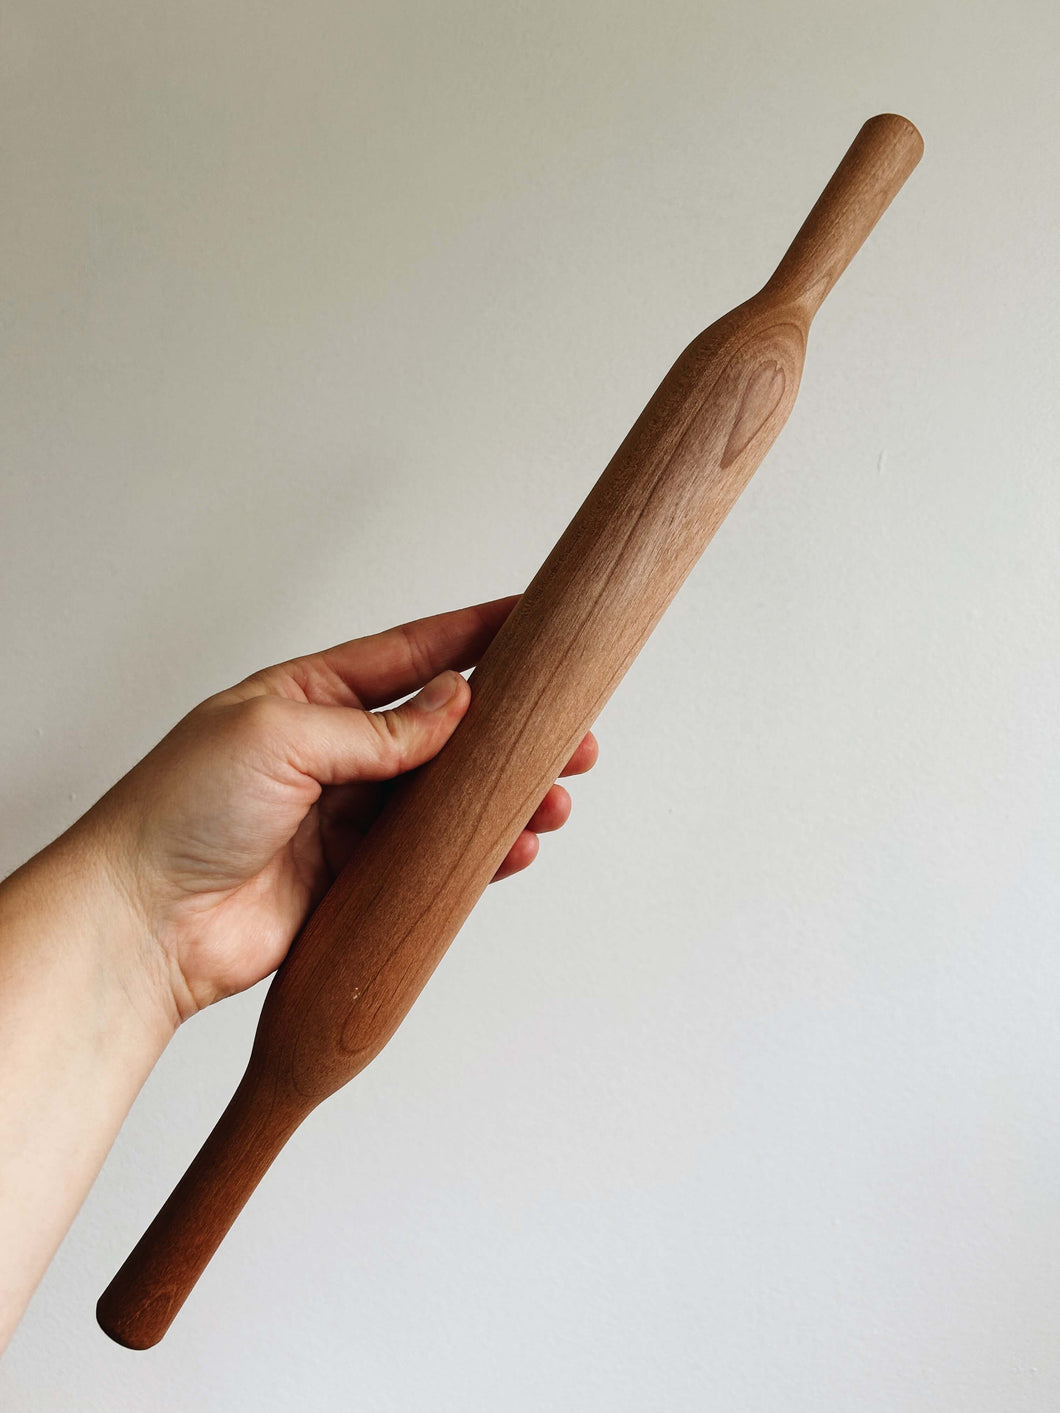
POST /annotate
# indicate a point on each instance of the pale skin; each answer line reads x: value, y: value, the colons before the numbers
x: 188, y: 881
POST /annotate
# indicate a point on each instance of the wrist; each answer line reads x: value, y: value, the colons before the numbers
x: 80, y: 905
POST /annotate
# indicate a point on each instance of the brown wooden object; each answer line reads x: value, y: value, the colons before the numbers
x: 370, y: 946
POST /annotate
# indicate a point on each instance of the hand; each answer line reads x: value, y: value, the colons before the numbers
x: 225, y: 836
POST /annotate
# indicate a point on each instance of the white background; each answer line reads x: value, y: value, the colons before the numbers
x: 319, y: 316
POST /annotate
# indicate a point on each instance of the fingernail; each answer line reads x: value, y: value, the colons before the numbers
x: 438, y: 692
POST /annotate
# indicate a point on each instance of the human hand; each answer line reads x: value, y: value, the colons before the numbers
x: 225, y: 835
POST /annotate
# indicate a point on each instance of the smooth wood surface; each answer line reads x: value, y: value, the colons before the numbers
x: 370, y: 946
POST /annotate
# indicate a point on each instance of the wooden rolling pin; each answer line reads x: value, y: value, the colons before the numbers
x: 380, y: 931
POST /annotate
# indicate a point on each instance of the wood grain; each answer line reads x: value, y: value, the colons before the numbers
x: 370, y: 946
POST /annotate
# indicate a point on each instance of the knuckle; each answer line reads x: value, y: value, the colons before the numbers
x: 420, y: 657
x: 388, y: 739
x: 259, y: 718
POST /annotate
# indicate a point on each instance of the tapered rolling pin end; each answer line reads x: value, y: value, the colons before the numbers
x: 146, y: 1294
x: 873, y: 171
x: 142, y: 1332
x: 895, y: 126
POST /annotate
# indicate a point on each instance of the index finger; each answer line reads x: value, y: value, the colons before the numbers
x: 383, y: 666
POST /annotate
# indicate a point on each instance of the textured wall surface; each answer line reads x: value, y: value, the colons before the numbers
x: 320, y: 316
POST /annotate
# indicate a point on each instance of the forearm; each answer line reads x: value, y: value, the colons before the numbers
x: 83, y: 1017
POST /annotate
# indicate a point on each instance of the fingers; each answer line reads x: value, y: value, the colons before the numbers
x: 343, y: 746
x: 335, y: 745
x: 372, y: 671
x: 552, y: 813
x: 521, y: 855
x: 585, y: 756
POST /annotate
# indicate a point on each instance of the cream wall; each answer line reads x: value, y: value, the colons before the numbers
x: 319, y: 316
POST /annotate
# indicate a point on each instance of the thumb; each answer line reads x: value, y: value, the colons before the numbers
x: 337, y: 745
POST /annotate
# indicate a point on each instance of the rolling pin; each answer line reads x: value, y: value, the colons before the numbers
x: 367, y: 950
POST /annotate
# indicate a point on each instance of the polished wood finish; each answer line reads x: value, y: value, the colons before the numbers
x: 370, y: 946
